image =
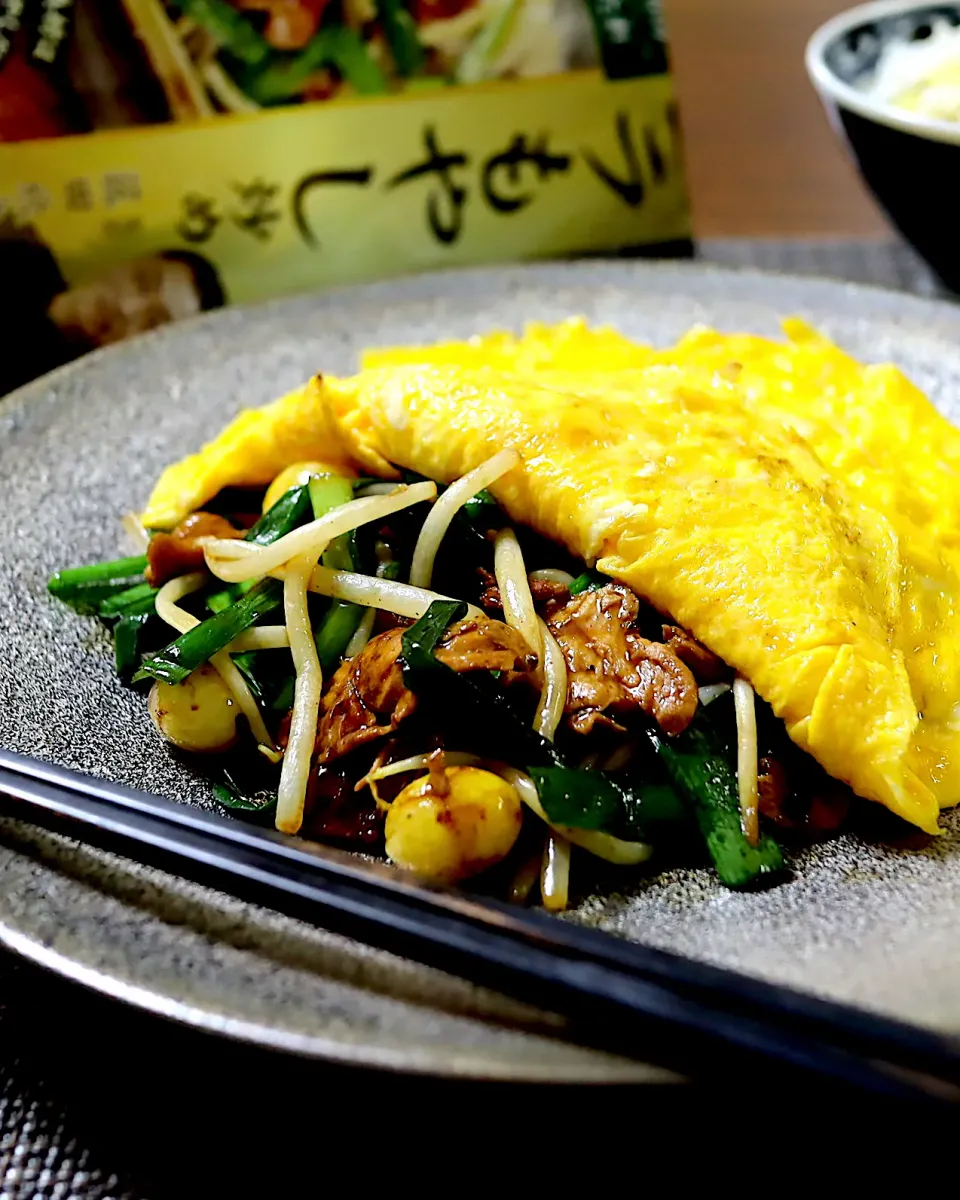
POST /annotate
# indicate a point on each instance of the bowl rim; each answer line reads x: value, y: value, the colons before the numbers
x: 831, y: 87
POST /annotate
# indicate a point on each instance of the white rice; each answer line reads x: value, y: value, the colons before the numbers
x: 906, y: 65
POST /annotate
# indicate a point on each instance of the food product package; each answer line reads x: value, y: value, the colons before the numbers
x: 163, y: 157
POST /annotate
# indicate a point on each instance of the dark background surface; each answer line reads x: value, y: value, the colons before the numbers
x: 100, y: 1102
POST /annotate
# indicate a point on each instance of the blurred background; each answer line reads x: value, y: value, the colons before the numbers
x: 160, y: 213
x: 761, y: 158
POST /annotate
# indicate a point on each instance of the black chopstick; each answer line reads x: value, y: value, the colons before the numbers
x: 651, y: 1004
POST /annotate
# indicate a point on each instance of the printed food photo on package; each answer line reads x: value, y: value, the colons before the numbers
x: 159, y: 158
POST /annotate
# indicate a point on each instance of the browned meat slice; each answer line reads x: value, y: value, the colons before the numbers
x: 612, y: 670
x: 822, y: 809
x: 542, y: 590
x: 181, y: 551
x: 705, y: 665
x: 367, y: 698
x: 828, y: 809
x: 482, y: 644
x: 772, y: 791
x: 335, y: 811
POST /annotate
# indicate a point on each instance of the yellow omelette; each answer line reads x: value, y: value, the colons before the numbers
x: 795, y: 510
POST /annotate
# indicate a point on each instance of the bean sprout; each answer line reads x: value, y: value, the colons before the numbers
x: 454, y: 498
x: 264, y: 637
x: 552, y: 575
x: 745, y: 705
x: 237, y: 561
x: 553, y: 695
x: 555, y: 874
x: 514, y: 588
x: 711, y: 691
x: 388, y: 594
x: 295, y: 773
x: 168, y: 610
x: 594, y: 841
x: 361, y: 634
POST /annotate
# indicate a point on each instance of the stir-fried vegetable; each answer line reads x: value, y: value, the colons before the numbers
x: 87, y: 588
x: 132, y: 601
x: 341, y: 620
x: 230, y: 796
x: 288, y: 512
x: 474, y: 517
x: 504, y: 752
x: 327, y: 493
x: 449, y: 826
x: 473, y: 702
x: 699, y: 765
x: 235, y: 608
x: 570, y: 796
x: 588, y: 582
x: 127, y: 641
x: 198, y: 645
x: 449, y: 502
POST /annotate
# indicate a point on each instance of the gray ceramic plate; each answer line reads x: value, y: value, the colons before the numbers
x: 83, y: 446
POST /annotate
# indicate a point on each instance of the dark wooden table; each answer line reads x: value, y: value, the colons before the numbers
x: 762, y: 159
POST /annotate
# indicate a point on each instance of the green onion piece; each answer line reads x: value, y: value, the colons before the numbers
x: 73, y: 582
x: 589, y: 799
x: 126, y: 642
x: 420, y: 641
x: 145, y: 606
x: 328, y: 492
x: 699, y: 766
x: 581, y: 799
x: 288, y: 512
x: 217, y: 602
x: 192, y: 649
x: 283, y: 516
x: 340, y: 621
x: 138, y: 598
x: 471, y: 700
x: 482, y: 512
x: 230, y: 797
x: 283, y: 701
x: 589, y: 581
x: 337, y: 626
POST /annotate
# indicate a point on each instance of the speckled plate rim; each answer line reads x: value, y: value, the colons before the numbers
x: 876, y: 302
x: 410, y: 1061
x: 429, y: 285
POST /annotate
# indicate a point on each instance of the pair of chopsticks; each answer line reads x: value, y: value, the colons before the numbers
x: 649, y: 1004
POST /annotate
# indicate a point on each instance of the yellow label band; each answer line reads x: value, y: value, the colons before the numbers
x: 326, y: 194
